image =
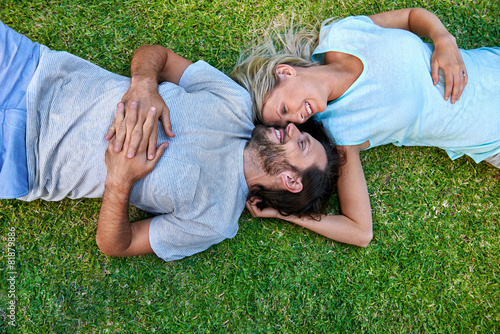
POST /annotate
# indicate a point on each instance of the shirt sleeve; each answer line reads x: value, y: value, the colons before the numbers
x: 344, y: 35
x: 201, y: 76
x: 173, y: 238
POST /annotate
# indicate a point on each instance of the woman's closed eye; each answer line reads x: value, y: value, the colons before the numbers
x: 284, y: 112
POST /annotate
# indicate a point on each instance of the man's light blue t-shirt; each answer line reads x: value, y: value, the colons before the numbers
x: 198, y: 189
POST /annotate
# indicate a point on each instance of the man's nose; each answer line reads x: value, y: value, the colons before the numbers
x: 291, y: 130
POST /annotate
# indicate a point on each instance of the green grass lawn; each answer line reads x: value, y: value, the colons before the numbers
x: 433, y: 266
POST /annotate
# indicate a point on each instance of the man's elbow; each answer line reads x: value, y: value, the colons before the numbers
x: 106, y: 249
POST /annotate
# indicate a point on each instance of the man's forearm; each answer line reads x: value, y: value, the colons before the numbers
x: 155, y: 63
x: 114, y: 231
x: 147, y: 65
x: 115, y: 234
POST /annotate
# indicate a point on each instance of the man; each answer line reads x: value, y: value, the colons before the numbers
x: 197, y: 188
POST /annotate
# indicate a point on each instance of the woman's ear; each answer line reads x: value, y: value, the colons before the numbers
x: 291, y: 181
x: 283, y: 70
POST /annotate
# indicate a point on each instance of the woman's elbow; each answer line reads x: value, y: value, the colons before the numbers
x: 366, y: 235
x: 365, y: 239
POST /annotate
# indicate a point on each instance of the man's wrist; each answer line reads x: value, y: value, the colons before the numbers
x: 118, y: 186
x: 146, y: 81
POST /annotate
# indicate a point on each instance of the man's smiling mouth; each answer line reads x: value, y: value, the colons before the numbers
x: 279, y: 135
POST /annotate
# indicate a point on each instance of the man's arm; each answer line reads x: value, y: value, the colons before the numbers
x: 354, y: 225
x: 446, y: 54
x: 116, y: 236
x: 151, y: 65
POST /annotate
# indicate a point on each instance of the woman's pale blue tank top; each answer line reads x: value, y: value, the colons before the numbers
x: 394, y: 99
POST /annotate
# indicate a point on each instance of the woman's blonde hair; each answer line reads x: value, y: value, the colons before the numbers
x: 256, y: 67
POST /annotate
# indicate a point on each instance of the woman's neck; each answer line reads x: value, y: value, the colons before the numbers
x: 343, y: 70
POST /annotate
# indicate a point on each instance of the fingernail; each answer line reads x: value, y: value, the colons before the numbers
x: 133, y: 103
x: 130, y: 155
x: 151, y: 157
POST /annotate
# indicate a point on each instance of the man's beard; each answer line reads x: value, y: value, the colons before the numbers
x: 271, y: 155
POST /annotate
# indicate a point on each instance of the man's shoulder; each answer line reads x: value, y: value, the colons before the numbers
x: 202, y: 74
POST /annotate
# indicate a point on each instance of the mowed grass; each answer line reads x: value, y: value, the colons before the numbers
x: 433, y: 266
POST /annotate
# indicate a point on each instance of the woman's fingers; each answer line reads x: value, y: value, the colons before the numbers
x: 435, y: 71
x: 459, y: 82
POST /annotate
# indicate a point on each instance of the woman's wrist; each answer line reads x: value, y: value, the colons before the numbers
x: 444, y: 38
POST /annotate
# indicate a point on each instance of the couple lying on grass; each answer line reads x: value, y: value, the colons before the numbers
x: 369, y: 80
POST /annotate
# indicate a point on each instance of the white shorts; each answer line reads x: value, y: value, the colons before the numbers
x: 494, y: 160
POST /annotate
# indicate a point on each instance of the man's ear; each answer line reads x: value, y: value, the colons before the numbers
x: 291, y: 181
x: 283, y: 70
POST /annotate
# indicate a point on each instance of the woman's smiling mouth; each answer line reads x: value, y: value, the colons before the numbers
x: 309, y: 109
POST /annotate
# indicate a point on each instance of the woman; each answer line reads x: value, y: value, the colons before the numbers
x: 374, y: 86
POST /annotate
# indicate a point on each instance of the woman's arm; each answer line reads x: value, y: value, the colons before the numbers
x: 446, y: 54
x: 354, y: 224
